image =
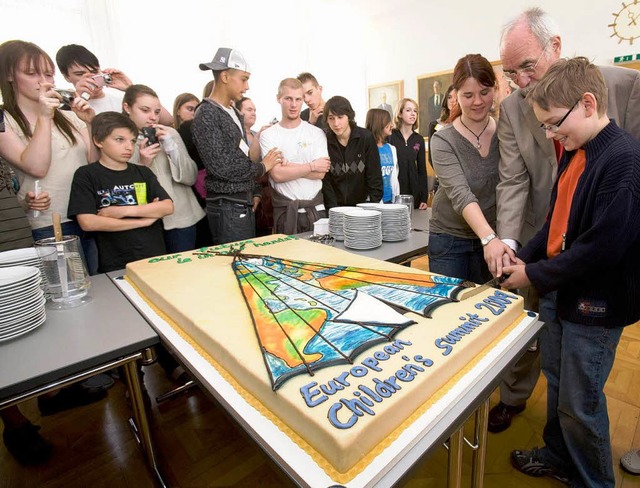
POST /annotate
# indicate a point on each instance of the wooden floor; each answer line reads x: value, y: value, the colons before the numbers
x: 200, y: 446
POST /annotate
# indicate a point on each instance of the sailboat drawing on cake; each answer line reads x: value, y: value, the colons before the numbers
x: 308, y: 315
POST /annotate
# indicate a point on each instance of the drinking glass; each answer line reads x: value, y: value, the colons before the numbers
x: 67, y: 280
x: 408, y: 201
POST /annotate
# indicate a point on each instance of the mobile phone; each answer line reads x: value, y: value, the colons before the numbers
x: 1, y: 120
x: 150, y: 134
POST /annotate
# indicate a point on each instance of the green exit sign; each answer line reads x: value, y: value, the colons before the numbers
x: 626, y: 58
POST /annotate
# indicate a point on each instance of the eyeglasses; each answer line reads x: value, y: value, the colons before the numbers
x: 527, y: 70
x: 556, y: 127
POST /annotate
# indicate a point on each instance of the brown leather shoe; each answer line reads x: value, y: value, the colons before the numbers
x: 500, y: 416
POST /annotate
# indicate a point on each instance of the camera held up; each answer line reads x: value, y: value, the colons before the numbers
x: 150, y: 134
x: 67, y: 97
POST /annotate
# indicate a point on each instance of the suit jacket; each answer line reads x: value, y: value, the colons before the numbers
x: 528, y: 164
x: 434, y: 109
x: 387, y: 107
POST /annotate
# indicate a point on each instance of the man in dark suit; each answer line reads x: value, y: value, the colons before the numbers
x: 434, y: 106
x: 384, y: 105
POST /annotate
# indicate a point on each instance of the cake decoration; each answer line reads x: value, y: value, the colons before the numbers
x: 312, y: 315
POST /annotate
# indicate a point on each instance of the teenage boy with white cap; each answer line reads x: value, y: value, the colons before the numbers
x: 219, y: 135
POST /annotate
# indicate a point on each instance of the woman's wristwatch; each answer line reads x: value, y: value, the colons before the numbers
x: 486, y: 240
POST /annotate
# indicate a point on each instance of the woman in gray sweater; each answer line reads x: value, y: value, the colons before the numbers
x: 465, y: 158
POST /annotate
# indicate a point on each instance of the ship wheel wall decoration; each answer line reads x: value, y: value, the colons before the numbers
x: 626, y: 22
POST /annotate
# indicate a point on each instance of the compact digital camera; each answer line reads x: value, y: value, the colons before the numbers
x: 102, y: 79
x: 67, y: 97
x: 150, y: 134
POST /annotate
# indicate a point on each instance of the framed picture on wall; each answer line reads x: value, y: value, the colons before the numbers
x: 432, y: 88
x: 386, y: 95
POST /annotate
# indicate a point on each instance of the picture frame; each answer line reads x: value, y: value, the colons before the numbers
x: 426, y: 92
x: 386, y: 95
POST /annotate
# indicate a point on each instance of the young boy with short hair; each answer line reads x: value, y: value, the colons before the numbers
x: 585, y: 263
x: 122, y: 203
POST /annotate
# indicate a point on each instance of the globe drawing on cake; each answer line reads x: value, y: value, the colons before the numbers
x: 311, y: 315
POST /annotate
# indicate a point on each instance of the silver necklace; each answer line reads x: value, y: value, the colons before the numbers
x: 477, y: 136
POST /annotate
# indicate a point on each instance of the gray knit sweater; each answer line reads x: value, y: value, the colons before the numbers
x: 465, y: 177
x: 217, y: 138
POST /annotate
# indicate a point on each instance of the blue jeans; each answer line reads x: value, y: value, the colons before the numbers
x: 71, y: 228
x: 576, y: 360
x: 180, y: 240
x: 457, y: 257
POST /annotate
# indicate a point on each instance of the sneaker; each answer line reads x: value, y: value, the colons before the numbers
x: 630, y: 461
x: 529, y: 463
x: 26, y: 445
x: 69, y: 397
x: 500, y: 416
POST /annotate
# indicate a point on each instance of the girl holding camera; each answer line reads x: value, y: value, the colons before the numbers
x: 161, y: 149
x: 44, y: 145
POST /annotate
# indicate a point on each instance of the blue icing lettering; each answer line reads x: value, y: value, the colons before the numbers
x: 308, y: 394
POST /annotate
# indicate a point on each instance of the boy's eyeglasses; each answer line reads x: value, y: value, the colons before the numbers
x: 556, y: 127
x: 527, y: 70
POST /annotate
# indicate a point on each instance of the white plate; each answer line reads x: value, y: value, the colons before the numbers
x: 21, y: 286
x: 15, y: 255
x: 15, y: 275
x: 25, y: 303
x: 23, y: 331
x: 24, y: 314
x: 26, y: 322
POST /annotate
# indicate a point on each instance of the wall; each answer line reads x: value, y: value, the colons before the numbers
x: 347, y: 44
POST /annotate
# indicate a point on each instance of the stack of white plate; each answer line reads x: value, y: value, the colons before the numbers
x: 369, y: 205
x: 22, y: 257
x: 362, y: 229
x: 336, y: 215
x: 396, y: 223
x: 21, y: 301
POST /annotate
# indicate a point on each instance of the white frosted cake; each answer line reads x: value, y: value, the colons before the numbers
x: 339, y: 350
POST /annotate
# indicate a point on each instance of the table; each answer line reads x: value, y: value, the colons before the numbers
x: 401, y: 252
x: 75, y: 344
x: 442, y: 421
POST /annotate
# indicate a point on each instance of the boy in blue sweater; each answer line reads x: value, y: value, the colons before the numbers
x: 585, y: 263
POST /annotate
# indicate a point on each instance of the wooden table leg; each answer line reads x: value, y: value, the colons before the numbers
x: 454, y: 475
x: 480, y: 438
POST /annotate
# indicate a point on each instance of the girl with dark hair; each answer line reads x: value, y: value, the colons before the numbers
x: 379, y: 123
x: 46, y: 145
x: 465, y: 158
x: 184, y: 108
x: 162, y: 150
x: 412, y: 165
x: 355, y: 175
x: 448, y: 103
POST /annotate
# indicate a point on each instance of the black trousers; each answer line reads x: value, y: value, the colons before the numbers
x: 230, y: 219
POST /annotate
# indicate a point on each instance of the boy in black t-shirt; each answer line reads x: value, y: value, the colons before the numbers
x: 122, y: 203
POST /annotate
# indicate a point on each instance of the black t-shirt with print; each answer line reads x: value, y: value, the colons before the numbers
x: 94, y: 187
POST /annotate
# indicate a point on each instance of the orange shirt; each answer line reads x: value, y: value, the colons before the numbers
x: 566, y: 188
